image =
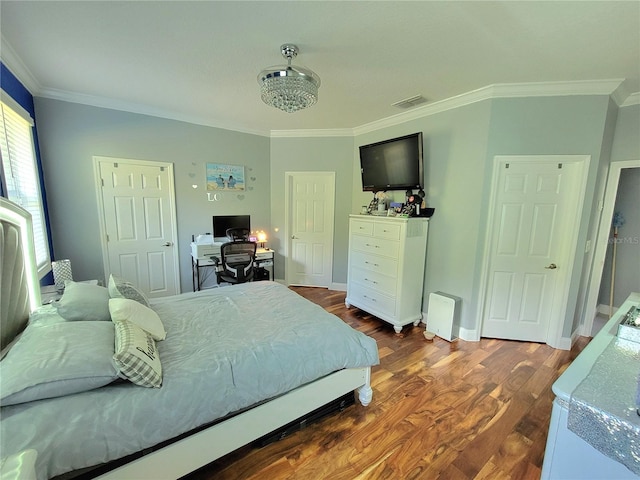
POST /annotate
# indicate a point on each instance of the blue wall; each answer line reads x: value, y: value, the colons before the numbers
x: 11, y: 85
x: 16, y: 90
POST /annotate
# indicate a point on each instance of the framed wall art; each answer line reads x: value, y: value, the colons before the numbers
x: 225, y: 177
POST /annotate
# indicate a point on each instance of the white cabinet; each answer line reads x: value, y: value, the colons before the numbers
x: 568, y: 455
x: 386, y: 267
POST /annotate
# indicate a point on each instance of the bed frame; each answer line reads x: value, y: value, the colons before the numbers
x: 20, y: 292
x: 17, y: 267
x: 195, y: 451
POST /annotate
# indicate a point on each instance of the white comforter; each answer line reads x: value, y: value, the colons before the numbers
x: 226, y: 349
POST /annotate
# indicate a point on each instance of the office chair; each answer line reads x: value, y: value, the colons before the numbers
x: 236, y: 234
x: 236, y: 262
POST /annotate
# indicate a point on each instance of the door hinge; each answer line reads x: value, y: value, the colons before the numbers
x: 162, y: 169
x: 107, y: 238
x: 115, y: 165
x: 102, y: 181
x: 506, y: 165
x: 559, y: 166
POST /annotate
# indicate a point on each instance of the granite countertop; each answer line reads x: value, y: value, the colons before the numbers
x: 600, y: 389
x: 581, y: 366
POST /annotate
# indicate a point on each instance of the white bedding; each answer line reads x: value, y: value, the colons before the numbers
x: 226, y: 349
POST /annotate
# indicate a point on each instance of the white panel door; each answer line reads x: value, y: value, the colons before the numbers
x: 310, y: 212
x: 529, y: 253
x: 139, y: 223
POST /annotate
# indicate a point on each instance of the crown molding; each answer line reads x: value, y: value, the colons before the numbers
x: 129, y: 107
x: 633, y: 99
x: 501, y: 90
x: 507, y: 90
x: 551, y: 89
x: 611, y: 87
x: 12, y: 61
x: 426, y: 110
x: 327, y: 132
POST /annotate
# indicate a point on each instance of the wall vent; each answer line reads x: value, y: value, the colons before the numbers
x: 410, y: 102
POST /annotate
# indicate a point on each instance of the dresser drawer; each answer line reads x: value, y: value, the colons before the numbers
x: 377, y: 281
x: 374, y: 263
x: 372, y: 301
x: 362, y: 227
x: 377, y: 246
x: 387, y: 230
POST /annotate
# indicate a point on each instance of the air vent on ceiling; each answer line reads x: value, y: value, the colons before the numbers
x: 410, y: 102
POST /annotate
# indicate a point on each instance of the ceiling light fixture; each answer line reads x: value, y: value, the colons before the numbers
x: 287, y: 87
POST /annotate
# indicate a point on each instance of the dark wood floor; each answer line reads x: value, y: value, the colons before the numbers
x: 440, y: 410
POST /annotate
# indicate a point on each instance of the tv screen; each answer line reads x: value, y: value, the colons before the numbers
x: 221, y: 223
x: 394, y: 164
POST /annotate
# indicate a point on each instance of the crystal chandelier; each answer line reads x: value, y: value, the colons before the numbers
x: 287, y: 87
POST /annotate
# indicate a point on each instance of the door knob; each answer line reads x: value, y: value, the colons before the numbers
x: 551, y: 266
x: 293, y: 237
x: 167, y: 244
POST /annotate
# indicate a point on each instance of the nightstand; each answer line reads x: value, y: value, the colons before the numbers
x: 49, y: 294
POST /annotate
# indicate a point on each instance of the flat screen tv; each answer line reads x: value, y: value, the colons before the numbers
x: 394, y: 164
x: 221, y: 223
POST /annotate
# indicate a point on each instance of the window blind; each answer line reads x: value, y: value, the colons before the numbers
x: 22, y: 184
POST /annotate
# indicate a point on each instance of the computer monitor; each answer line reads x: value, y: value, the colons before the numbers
x: 221, y: 223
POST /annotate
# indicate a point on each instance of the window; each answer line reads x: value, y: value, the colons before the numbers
x: 20, y: 174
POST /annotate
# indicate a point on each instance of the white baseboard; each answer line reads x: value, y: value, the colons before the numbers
x: 469, y: 335
x: 566, y: 343
x: 341, y: 287
x: 463, y: 333
x: 605, y: 309
x: 473, y: 335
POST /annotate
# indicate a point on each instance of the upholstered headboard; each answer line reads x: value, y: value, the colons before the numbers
x: 19, y: 285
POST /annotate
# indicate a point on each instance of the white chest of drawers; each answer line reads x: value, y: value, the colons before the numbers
x: 386, y: 267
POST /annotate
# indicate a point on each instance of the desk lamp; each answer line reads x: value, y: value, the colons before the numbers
x: 262, y: 238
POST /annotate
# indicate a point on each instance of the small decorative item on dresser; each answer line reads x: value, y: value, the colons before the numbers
x: 373, y: 206
x: 61, y: 273
x: 382, y: 200
x: 629, y: 328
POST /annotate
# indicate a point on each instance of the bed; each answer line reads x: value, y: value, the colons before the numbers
x: 237, y: 363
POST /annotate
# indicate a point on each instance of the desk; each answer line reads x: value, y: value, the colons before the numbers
x: 264, y: 259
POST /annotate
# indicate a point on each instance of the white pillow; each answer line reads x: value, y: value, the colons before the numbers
x: 56, y: 360
x: 136, y: 356
x: 135, y: 312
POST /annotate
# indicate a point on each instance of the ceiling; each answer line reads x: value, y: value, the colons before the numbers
x: 198, y: 61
